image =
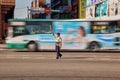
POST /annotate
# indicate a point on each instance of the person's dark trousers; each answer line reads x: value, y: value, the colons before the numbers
x: 58, y: 52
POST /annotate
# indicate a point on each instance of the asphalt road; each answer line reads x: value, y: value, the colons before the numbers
x: 72, y: 66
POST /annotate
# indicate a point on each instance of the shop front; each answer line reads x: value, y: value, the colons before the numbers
x: 6, y: 12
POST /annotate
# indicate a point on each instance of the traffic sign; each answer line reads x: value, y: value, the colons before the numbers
x: 69, y: 7
x: 47, y: 10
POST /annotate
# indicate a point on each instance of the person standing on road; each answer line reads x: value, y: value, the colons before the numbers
x: 58, y: 45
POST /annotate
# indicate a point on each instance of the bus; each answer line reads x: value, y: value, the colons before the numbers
x: 77, y: 34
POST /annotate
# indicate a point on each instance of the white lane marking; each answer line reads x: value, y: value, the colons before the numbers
x: 24, y: 57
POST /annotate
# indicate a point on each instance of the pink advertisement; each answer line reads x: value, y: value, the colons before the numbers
x: 90, y: 12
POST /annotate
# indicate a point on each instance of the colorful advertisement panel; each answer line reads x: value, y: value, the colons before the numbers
x: 88, y: 3
x: 73, y: 34
x: 95, y: 1
x: 97, y: 11
x: 101, y: 9
x: 92, y: 2
x: 90, y: 12
x: 113, y: 8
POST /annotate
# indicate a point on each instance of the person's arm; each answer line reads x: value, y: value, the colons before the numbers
x: 53, y: 34
x: 52, y: 31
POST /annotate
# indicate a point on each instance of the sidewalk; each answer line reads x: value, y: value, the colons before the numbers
x: 2, y: 46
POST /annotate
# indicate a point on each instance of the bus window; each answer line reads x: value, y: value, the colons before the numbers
x: 99, y: 29
x: 18, y: 30
x: 38, y: 27
x: 105, y: 27
x: 32, y: 28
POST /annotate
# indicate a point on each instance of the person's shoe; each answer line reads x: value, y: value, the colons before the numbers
x: 60, y: 55
x: 57, y: 57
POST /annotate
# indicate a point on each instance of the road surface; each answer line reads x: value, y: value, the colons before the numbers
x: 72, y: 66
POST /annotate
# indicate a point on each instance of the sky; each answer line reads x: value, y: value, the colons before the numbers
x: 21, y: 8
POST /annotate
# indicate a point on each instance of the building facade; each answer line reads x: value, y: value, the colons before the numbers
x: 6, y: 12
x: 37, y: 9
x: 74, y: 9
x: 103, y: 9
x: 55, y: 5
x: 55, y: 9
x: 63, y: 6
x: 58, y: 9
x: 69, y: 9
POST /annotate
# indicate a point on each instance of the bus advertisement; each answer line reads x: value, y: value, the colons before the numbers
x: 36, y: 34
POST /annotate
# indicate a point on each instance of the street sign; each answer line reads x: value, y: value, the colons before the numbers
x: 47, y: 10
x: 55, y: 11
x: 37, y: 10
x: 69, y: 7
x: 43, y: 10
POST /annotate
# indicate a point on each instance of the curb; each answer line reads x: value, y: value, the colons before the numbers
x: 3, y: 46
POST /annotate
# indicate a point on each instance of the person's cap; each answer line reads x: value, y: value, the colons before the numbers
x: 58, y: 33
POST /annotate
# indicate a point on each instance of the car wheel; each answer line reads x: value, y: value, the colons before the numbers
x: 32, y: 46
x: 94, y: 46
